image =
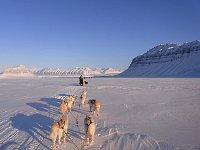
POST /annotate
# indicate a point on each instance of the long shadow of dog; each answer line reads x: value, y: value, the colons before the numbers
x: 7, y: 145
x: 51, y: 101
x: 50, y: 105
x: 36, y: 125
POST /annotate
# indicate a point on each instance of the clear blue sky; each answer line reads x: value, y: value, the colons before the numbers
x: 91, y: 33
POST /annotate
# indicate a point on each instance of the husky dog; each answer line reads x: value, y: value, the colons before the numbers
x: 94, y: 106
x: 59, y: 130
x: 63, y: 106
x: 73, y: 99
x: 83, y: 97
x: 67, y: 104
x: 89, y: 129
x: 71, y: 102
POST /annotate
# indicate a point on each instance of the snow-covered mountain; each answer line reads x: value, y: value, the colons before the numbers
x: 168, y: 60
x: 76, y: 71
x: 21, y: 70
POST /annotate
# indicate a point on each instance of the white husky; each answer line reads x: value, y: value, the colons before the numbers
x: 89, y: 130
x: 83, y: 97
x: 95, y: 106
x: 59, y: 130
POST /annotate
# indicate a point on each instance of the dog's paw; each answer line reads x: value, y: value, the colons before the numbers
x: 54, y: 147
x: 91, y: 143
x: 63, y: 141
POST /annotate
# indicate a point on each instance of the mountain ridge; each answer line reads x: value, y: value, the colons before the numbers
x: 22, y: 70
x: 167, y: 60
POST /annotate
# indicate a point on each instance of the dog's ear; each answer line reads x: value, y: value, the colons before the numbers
x: 59, y: 123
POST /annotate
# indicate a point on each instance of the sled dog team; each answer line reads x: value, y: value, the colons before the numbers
x: 60, y: 127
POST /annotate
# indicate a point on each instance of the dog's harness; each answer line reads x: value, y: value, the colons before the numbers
x: 92, y: 104
x: 88, y: 124
x: 59, y: 125
x: 93, y: 101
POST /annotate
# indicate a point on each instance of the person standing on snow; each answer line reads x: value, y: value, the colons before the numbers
x: 81, y: 82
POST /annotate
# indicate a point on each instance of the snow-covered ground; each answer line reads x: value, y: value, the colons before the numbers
x: 136, y: 113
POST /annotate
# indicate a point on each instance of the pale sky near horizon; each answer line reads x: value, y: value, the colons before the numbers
x: 91, y: 33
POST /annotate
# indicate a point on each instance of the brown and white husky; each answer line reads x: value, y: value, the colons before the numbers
x: 89, y: 130
x: 95, y: 106
x: 59, y: 130
x: 64, y: 106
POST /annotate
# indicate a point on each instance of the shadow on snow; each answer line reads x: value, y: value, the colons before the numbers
x: 36, y: 125
x: 7, y: 145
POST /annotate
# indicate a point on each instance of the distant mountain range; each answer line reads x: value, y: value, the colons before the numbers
x: 167, y: 60
x: 21, y: 70
x: 77, y: 72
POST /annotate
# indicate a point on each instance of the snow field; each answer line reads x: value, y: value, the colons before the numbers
x: 136, y: 113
